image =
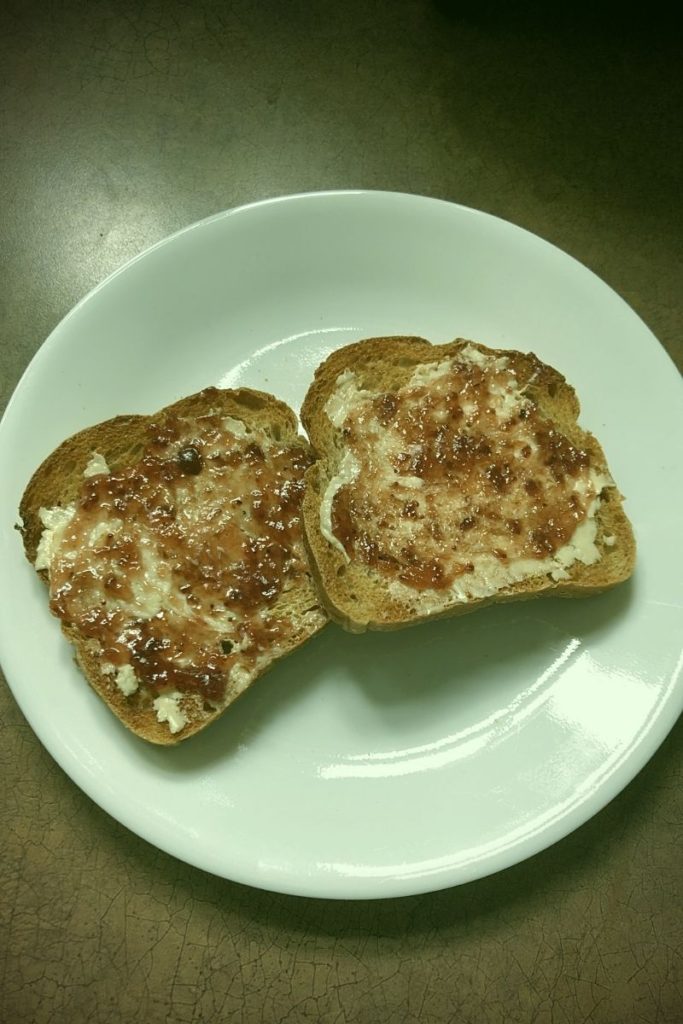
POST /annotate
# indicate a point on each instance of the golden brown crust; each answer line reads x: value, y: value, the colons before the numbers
x: 120, y: 440
x: 359, y: 599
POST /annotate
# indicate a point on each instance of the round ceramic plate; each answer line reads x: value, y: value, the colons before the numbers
x: 382, y: 764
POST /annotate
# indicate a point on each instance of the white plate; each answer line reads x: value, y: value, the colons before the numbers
x: 383, y: 764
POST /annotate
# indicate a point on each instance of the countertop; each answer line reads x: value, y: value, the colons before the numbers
x: 123, y: 122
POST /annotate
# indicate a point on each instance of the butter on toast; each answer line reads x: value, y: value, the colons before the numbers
x: 449, y: 477
x: 172, y: 548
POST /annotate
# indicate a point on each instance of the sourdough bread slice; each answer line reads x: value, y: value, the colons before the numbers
x: 172, y: 548
x: 449, y: 477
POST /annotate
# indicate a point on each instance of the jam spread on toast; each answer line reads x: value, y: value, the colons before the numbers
x: 175, y: 564
x: 456, y: 466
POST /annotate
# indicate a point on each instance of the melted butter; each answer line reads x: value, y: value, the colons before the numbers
x: 460, y: 487
x: 55, y: 522
x: 126, y: 680
x: 168, y: 709
x: 346, y: 474
x: 96, y: 465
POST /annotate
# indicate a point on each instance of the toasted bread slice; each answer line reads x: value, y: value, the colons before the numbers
x: 449, y: 477
x: 172, y: 547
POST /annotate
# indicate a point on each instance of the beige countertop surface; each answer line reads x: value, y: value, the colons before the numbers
x: 122, y: 122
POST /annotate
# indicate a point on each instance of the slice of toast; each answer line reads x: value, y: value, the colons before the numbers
x: 449, y: 477
x: 172, y: 548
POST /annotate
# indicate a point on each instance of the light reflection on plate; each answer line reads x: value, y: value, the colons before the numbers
x: 381, y: 764
x: 469, y: 741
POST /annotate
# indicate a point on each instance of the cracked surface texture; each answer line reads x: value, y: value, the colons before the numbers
x: 124, y: 122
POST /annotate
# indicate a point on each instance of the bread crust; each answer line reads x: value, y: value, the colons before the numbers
x: 121, y: 440
x: 359, y: 599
